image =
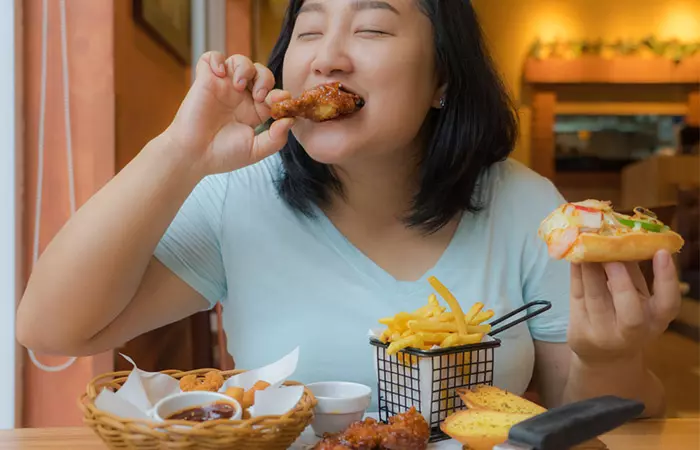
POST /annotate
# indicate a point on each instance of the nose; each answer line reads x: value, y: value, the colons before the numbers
x: 331, y: 57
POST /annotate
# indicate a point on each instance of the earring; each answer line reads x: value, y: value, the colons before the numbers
x: 443, y: 102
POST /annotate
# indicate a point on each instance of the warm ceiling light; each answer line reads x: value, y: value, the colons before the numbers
x: 681, y: 23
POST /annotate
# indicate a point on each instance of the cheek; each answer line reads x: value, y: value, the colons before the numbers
x: 293, y: 71
x: 401, y: 76
x: 403, y: 100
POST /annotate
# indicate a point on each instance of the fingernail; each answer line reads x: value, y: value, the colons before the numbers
x: 260, y: 94
x: 222, y: 69
x: 241, y: 82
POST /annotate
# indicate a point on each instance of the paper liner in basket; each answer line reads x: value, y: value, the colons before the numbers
x: 142, y: 390
x: 421, y: 384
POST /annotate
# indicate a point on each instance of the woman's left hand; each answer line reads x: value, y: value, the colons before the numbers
x: 613, y: 314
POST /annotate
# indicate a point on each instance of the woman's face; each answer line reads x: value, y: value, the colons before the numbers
x: 380, y: 49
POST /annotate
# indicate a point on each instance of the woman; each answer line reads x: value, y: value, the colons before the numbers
x: 310, y: 246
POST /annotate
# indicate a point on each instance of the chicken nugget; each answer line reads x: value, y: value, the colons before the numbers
x: 188, y: 383
x: 214, y: 380
x: 211, y: 382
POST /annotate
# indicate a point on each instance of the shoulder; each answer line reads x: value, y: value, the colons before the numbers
x: 263, y: 174
x: 514, y: 189
x: 256, y: 179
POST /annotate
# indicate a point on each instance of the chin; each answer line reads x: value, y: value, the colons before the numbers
x: 329, y: 142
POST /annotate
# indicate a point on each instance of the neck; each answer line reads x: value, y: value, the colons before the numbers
x: 377, y: 190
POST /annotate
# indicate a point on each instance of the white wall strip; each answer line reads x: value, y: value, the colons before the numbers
x: 9, y: 83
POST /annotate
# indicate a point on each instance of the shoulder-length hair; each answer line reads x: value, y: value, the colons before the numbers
x: 476, y: 128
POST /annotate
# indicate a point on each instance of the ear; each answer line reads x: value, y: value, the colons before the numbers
x: 439, y: 97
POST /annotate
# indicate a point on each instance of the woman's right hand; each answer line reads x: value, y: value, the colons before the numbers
x: 215, y: 125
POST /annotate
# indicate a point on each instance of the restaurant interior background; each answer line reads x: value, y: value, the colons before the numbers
x: 609, y: 100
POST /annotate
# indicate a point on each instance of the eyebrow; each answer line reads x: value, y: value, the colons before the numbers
x: 357, y: 5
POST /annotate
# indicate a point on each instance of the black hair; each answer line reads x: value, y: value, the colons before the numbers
x: 476, y: 128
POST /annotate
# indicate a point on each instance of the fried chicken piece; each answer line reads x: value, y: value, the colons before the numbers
x: 212, y: 382
x: 322, y: 103
x: 406, y: 431
x: 362, y: 435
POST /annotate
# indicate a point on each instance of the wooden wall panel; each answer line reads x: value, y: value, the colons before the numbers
x: 542, y: 135
x: 693, y: 117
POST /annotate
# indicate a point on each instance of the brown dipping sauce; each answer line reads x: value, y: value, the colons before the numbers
x: 214, y: 411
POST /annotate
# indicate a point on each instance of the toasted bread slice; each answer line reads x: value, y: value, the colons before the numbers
x: 481, y: 429
x: 495, y: 399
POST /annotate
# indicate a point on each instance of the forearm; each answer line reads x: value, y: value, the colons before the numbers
x: 92, y: 268
x: 628, y: 379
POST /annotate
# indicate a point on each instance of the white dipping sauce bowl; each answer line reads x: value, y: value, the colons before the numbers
x: 339, y: 404
x: 184, y: 400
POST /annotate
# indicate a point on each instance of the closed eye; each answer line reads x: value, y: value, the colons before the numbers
x: 372, y: 33
x: 303, y: 36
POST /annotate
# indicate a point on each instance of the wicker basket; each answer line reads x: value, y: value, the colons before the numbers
x: 258, y: 433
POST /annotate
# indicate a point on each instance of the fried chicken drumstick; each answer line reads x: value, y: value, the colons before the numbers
x: 406, y: 431
x: 322, y: 103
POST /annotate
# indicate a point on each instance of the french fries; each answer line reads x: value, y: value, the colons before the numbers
x: 432, y: 325
x: 249, y: 395
x: 452, y: 301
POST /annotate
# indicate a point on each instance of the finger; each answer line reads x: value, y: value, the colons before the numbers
x: 242, y: 70
x: 211, y: 62
x: 217, y: 63
x: 598, y: 302
x: 666, y: 301
x: 629, y: 306
x: 578, y: 299
x: 276, y: 96
x: 263, y: 83
x: 640, y: 283
x: 272, y: 140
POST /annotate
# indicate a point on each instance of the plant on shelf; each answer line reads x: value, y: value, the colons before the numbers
x: 648, y: 47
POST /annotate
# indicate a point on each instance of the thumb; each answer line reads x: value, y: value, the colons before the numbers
x: 667, y: 294
x: 271, y: 140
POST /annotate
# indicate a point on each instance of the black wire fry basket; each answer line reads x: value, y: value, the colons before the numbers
x: 429, y: 379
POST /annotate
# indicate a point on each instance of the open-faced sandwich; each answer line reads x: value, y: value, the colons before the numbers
x: 491, y: 413
x: 591, y: 231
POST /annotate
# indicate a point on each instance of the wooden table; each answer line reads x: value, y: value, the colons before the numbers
x: 672, y: 434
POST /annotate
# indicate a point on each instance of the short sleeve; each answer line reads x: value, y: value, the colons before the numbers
x: 191, y: 246
x: 545, y: 278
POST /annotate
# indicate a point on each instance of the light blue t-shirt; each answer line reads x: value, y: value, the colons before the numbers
x: 286, y: 280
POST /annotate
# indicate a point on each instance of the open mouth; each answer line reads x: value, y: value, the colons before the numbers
x: 359, y: 101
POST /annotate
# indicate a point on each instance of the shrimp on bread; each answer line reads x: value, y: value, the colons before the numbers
x: 591, y: 231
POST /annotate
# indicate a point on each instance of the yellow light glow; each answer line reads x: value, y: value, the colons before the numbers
x: 681, y: 22
x: 553, y: 28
